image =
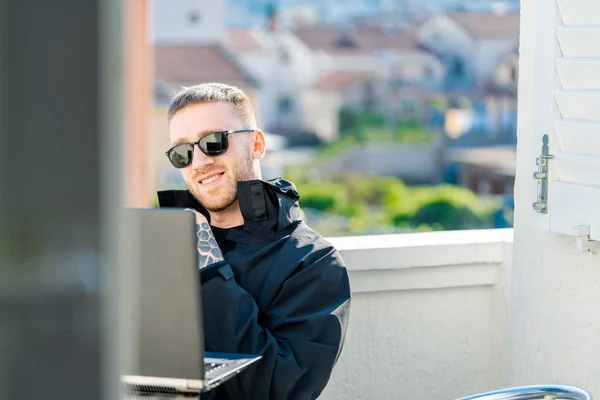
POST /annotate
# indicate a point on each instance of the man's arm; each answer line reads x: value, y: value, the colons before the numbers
x: 300, y: 336
x: 208, y: 250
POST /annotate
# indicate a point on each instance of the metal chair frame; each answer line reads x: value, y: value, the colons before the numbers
x: 539, y: 392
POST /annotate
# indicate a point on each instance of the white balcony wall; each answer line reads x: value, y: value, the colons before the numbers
x: 429, y: 317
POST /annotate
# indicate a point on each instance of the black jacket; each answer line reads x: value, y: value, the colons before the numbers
x: 282, y: 292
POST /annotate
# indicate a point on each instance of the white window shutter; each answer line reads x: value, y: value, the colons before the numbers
x: 573, y: 196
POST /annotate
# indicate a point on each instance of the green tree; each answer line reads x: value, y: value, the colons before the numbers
x: 447, y: 215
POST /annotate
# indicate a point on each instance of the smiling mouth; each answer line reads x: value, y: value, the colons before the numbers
x: 211, y: 179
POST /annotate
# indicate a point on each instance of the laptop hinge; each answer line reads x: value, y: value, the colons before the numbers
x: 195, y: 384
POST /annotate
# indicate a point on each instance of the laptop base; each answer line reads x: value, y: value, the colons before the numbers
x: 218, y: 368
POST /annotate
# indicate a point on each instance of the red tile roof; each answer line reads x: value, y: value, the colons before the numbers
x: 339, y: 80
x: 243, y: 40
x: 198, y: 63
x: 488, y: 25
x: 375, y: 38
x: 363, y: 40
x: 319, y: 38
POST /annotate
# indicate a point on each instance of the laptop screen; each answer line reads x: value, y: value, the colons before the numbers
x: 166, y: 304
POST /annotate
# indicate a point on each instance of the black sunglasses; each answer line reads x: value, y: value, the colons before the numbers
x: 213, y: 145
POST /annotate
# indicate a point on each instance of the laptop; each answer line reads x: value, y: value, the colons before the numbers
x: 168, y: 351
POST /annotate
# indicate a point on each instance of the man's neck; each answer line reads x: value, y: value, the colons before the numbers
x: 227, y: 218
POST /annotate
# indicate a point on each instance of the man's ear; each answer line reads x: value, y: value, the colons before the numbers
x: 259, y: 146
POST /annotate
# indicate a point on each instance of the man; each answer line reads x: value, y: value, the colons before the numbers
x: 270, y: 284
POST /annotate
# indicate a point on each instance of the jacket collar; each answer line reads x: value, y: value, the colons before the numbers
x: 268, y: 207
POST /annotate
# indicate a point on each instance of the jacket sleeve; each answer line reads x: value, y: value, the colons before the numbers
x: 299, y: 337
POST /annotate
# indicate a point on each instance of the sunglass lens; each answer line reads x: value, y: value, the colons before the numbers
x: 214, y: 144
x: 181, y: 156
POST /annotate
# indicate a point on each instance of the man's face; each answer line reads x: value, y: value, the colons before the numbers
x: 213, y: 180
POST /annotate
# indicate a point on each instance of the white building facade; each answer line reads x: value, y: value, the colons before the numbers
x: 188, y: 21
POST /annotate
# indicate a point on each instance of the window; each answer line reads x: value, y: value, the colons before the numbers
x: 194, y: 18
x: 513, y: 75
x: 284, y: 56
x: 458, y: 68
x: 284, y: 105
x: 369, y: 95
x: 346, y: 42
x: 427, y: 73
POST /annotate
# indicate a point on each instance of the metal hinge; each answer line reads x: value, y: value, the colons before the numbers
x: 541, y: 205
x: 583, y: 244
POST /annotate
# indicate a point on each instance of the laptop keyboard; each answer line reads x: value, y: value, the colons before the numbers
x: 210, y: 367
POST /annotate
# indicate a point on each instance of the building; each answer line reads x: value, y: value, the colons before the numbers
x: 283, y: 67
x: 188, y: 21
x: 403, y: 75
x: 472, y: 45
x: 484, y: 170
x: 479, y: 52
x: 342, y: 90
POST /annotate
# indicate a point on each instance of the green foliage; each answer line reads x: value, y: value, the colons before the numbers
x: 438, y: 103
x: 446, y: 214
x: 352, y: 121
x: 338, y: 146
x: 412, y: 134
x: 405, y: 133
x: 376, y: 190
x: 455, y: 195
x: 370, y: 119
x: 370, y: 202
x: 376, y: 202
x: 465, y: 103
x: 326, y: 196
x: 347, y: 120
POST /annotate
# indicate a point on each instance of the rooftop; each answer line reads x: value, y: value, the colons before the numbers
x: 362, y: 40
x: 194, y: 64
x: 243, y: 40
x: 487, y: 25
x: 339, y: 80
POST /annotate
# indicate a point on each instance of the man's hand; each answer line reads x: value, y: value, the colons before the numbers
x: 208, y: 249
x: 200, y: 218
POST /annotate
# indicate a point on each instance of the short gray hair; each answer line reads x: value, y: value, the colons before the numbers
x: 214, y: 92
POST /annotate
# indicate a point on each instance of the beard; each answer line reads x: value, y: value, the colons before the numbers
x: 225, y: 195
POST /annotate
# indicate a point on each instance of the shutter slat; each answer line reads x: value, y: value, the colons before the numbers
x: 579, y: 41
x: 579, y: 73
x: 579, y: 169
x: 579, y: 104
x: 580, y: 12
x: 581, y: 137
